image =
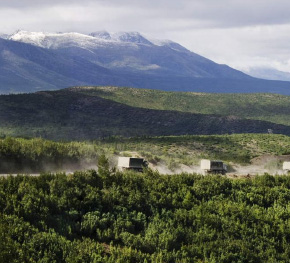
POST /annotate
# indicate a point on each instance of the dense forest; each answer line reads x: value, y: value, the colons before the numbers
x: 107, y: 216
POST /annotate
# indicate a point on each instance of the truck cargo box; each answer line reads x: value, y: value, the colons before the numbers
x: 286, y: 166
x: 126, y: 163
x: 213, y: 166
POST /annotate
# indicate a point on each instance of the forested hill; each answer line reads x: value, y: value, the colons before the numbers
x: 73, y: 114
x: 258, y: 106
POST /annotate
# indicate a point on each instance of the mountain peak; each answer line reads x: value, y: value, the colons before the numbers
x: 132, y: 37
x: 35, y: 38
x: 50, y: 40
x: 101, y: 34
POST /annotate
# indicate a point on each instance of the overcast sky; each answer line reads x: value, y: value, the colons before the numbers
x: 240, y: 33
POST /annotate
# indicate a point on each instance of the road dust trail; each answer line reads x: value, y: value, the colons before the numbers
x: 260, y: 165
x: 237, y: 170
x: 163, y: 169
x: 254, y: 170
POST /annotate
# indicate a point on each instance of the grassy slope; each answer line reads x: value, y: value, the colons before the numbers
x: 269, y: 107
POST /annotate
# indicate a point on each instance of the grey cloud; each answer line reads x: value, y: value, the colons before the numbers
x: 16, y: 4
x: 197, y: 13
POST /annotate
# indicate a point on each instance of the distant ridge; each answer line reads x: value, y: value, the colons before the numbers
x: 31, y: 61
x: 269, y: 73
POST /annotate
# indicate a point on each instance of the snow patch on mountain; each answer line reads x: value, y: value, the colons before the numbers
x: 130, y: 37
x: 55, y: 40
x: 101, y: 34
x: 35, y: 38
x: 168, y: 43
x: 93, y: 40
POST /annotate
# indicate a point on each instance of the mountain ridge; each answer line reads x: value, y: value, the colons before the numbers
x: 268, y: 73
x: 35, y: 38
x: 119, y: 59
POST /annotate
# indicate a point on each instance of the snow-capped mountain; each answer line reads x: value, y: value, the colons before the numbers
x: 39, y: 60
x: 56, y: 40
x: 128, y: 51
x: 95, y: 39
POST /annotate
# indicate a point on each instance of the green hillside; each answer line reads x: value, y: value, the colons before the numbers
x: 269, y: 107
x: 80, y: 114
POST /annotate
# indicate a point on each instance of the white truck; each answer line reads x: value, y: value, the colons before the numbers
x: 286, y: 167
x: 213, y: 167
x: 132, y: 163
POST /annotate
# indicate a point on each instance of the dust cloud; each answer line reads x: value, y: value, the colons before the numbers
x: 259, y: 166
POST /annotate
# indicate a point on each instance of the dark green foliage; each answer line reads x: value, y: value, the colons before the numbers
x: 7, y: 250
x: 103, y: 165
x: 133, y: 217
